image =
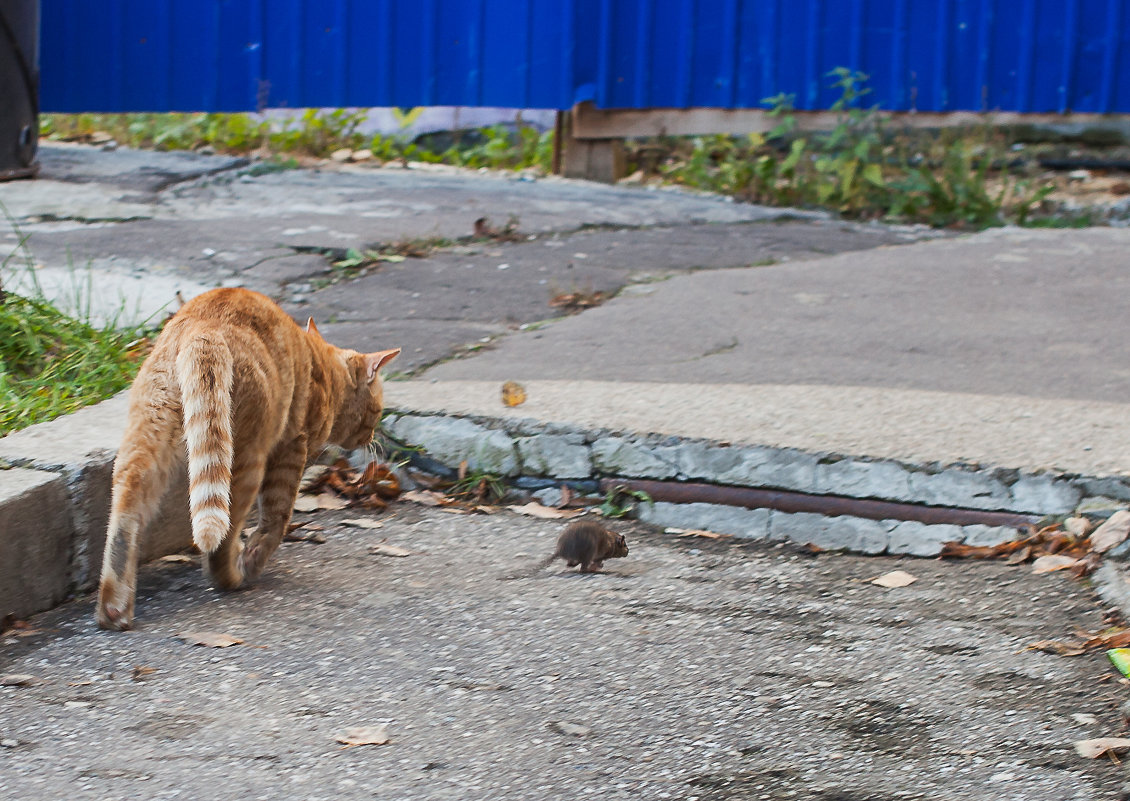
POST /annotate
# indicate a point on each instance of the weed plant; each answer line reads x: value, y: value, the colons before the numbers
x: 315, y: 132
x: 862, y: 168
x: 865, y: 167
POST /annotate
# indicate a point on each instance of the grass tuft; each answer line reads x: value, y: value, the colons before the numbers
x: 52, y: 364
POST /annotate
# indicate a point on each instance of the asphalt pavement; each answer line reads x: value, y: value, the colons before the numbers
x: 694, y: 668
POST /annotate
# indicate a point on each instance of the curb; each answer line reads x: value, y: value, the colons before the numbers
x: 528, y: 450
x: 56, y: 478
x: 55, y: 504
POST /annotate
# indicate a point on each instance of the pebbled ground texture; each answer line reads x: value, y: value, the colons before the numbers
x: 693, y: 668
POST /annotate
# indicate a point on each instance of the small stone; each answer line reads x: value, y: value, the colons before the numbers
x: 362, y: 155
x: 9, y: 743
x: 570, y: 729
x: 1079, y: 175
x: 342, y: 155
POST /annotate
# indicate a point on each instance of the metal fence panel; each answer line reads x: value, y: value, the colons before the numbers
x: 928, y: 55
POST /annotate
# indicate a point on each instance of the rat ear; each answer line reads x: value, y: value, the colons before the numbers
x: 311, y: 328
x: 375, y: 361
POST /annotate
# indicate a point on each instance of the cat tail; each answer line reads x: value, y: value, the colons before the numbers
x: 204, y: 372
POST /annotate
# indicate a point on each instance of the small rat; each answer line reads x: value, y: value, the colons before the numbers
x: 588, y: 544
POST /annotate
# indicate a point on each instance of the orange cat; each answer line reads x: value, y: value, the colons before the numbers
x: 252, y: 398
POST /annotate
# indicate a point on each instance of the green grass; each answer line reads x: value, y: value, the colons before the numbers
x: 52, y: 364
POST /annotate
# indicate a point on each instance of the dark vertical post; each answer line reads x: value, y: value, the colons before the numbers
x: 19, y: 88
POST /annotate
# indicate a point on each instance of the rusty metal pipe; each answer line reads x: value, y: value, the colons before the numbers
x: 828, y: 505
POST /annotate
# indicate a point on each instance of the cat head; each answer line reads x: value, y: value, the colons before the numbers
x: 359, y: 408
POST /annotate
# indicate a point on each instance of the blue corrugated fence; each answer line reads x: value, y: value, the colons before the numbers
x: 926, y: 55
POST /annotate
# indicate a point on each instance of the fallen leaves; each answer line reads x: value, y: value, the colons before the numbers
x: 209, y: 639
x: 426, y: 497
x: 483, y: 229
x: 1057, y: 647
x: 577, y: 301
x: 18, y: 680
x: 364, y: 735
x: 306, y: 532
x: 535, y: 509
x: 340, y: 486
x: 1049, y: 563
x: 1111, y: 533
x: 362, y: 522
x: 513, y: 394
x: 1060, y: 546
x: 1114, y: 638
x: 570, y: 729
x: 384, y: 549
x: 1120, y: 658
x: 1101, y: 746
x: 697, y: 532
x: 314, y: 503
x: 141, y: 671
x: 896, y: 578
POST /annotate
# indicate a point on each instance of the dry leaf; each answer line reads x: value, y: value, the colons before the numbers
x: 426, y: 498
x: 1099, y: 746
x: 209, y: 639
x: 305, y: 503
x: 1111, y: 639
x: 1057, y: 647
x: 1019, y: 557
x: 1052, y: 562
x: 362, y: 522
x: 896, y: 578
x: 306, y: 536
x: 1111, y: 533
x: 534, y: 509
x: 178, y: 558
x: 17, y: 680
x: 696, y: 532
x: 384, y: 549
x: 314, y: 477
x: 1079, y: 526
x: 570, y: 729
x: 141, y: 671
x: 364, y: 735
x: 328, y: 500
x: 513, y: 394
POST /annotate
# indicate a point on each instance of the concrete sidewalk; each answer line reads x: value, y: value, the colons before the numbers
x: 744, y: 346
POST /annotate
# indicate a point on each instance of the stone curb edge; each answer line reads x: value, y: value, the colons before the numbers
x: 55, y: 504
x: 514, y: 448
x: 55, y: 490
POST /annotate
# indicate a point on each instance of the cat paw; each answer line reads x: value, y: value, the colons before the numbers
x: 115, y: 604
x: 113, y: 618
x: 249, y: 566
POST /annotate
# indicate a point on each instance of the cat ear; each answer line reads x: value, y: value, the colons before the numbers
x: 312, y: 329
x: 375, y: 361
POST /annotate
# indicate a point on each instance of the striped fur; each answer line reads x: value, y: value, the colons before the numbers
x: 237, y: 389
x: 204, y: 372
